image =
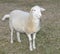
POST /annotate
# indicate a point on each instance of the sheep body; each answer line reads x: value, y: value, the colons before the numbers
x: 23, y: 22
x: 26, y: 22
x: 18, y: 20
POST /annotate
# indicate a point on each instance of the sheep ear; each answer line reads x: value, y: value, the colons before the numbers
x: 42, y: 9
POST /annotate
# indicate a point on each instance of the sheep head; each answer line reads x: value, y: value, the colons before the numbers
x: 36, y: 11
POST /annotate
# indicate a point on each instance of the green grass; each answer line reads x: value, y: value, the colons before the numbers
x: 48, y: 38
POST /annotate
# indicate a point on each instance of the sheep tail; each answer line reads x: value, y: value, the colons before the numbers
x: 5, y: 16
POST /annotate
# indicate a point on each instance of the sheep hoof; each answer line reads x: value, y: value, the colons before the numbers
x: 19, y: 41
x: 11, y: 42
x: 31, y: 49
x: 34, y: 47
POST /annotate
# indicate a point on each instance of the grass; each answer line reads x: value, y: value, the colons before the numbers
x: 48, y: 38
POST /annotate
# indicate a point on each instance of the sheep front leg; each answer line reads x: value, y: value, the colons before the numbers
x: 11, y: 35
x: 30, y: 42
x: 34, y: 37
x: 18, y: 37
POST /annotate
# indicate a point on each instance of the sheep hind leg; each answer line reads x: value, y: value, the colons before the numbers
x: 11, y: 35
x: 18, y: 37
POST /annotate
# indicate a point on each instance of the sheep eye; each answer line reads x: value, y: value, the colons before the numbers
x: 34, y: 10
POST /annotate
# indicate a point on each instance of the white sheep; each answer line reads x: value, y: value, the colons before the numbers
x: 25, y: 22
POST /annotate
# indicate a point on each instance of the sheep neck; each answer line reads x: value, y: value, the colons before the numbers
x: 32, y: 24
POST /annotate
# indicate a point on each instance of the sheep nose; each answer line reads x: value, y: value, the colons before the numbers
x: 40, y: 15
